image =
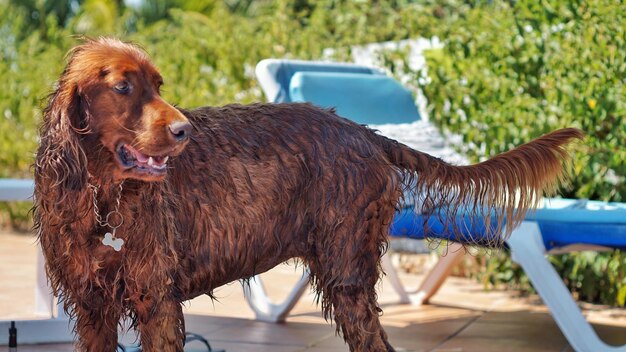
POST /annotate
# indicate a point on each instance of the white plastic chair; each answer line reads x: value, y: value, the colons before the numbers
x: 54, y: 327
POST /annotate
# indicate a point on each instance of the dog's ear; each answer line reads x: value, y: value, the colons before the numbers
x: 61, y: 160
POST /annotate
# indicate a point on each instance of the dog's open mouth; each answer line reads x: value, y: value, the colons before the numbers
x: 130, y: 157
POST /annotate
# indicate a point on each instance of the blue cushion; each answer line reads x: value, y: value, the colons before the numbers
x: 562, y: 222
x: 363, y: 98
x: 579, y: 211
x: 288, y: 68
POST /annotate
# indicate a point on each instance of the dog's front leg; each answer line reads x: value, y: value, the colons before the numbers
x: 164, y: 329
x: 96, y: 328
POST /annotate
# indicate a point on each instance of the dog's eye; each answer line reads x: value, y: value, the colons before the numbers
x: 122, y: 87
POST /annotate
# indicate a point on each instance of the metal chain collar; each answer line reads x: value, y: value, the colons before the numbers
x: 110, y: 217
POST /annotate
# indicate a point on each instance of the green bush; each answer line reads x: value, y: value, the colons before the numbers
x: 590, y: 276
x: 510, y: 73
x: 506, y: 74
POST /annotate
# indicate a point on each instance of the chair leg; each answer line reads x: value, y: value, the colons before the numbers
x: 264, y: 309
x: 44, y: 300
x: 438, y: 274
x: 433, y: 280
x: 392, y: 275
x: 527, y: 249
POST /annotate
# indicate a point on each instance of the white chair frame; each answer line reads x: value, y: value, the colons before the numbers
x: 54, y: 326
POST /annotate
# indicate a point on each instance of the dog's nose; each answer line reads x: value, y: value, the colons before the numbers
x: 180, y: 130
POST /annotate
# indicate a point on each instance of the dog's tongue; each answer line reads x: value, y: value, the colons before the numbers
x: 154, y: 161
x: 139, y: 156
x: 142, y: 158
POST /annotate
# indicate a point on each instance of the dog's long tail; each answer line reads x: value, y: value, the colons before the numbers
x: 499, y: 190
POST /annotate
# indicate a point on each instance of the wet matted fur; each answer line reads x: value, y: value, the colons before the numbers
x: 245, y: 188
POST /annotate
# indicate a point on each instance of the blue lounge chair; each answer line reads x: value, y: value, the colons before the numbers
x: 558, y: 225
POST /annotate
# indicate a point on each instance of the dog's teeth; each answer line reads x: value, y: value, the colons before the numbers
x: 165, y: 159
x: 151, y: 161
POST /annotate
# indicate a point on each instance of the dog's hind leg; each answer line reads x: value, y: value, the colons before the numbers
x: 356, y: 314
x: 346, y: 271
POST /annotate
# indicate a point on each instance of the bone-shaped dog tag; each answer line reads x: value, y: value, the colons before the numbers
x: 115, y: 243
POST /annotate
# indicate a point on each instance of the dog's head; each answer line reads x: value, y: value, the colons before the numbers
x: 108, y: 98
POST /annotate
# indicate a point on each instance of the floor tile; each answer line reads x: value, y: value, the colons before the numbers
x: 462, y: 316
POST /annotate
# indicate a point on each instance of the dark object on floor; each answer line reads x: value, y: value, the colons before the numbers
x: 12, y: 337
x: 189, y: 337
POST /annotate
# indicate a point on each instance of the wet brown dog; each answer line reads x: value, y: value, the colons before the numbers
x: 204, y: 197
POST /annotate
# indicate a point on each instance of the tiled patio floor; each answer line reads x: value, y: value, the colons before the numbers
x: 461, y: 317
